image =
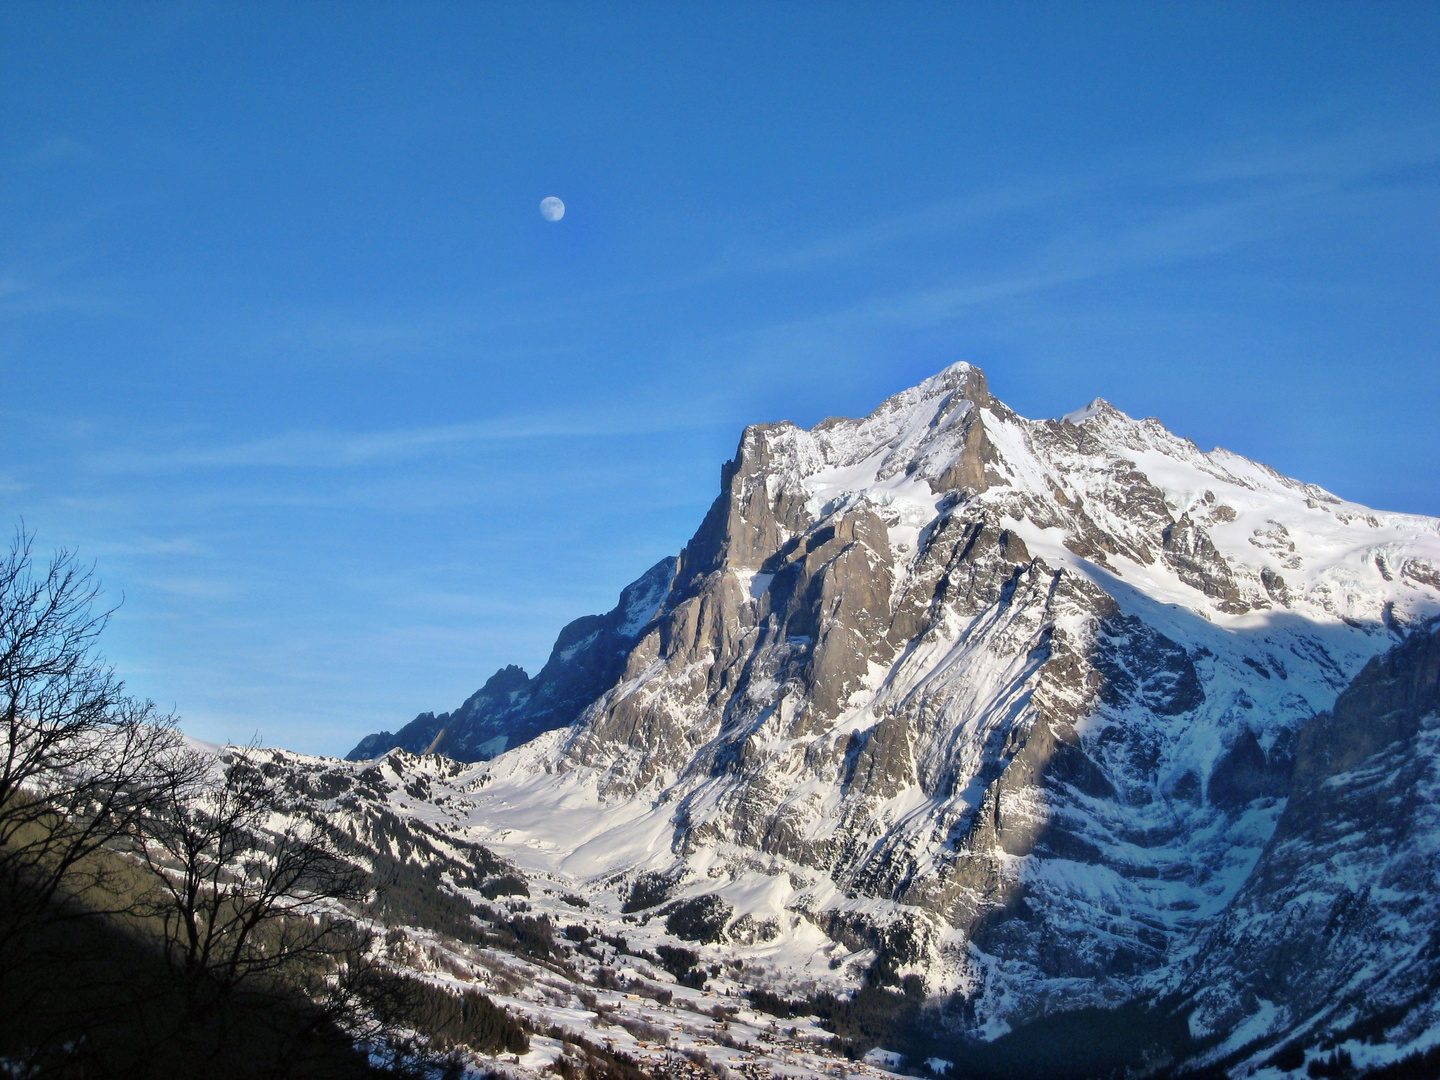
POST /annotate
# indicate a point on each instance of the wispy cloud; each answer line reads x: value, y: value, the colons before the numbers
x: 53, y: 148
x: 1286, y: 187
x: 146, y: 546
x: 1281, y: 171
x: 45, y: 270
x: 1332, y: 157
x: 931, y: 220
x: 194, y: 588
x: 345, y: 450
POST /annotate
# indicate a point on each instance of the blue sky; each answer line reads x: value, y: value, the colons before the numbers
x: 289, y: 352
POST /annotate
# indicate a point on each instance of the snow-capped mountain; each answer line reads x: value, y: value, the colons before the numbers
x: 1043, y: 712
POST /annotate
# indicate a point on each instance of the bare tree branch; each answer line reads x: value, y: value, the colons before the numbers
x: 246, y: 894
x: 77, y: 754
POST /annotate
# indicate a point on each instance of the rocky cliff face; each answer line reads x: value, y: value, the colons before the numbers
x: 1335, y: 936
x: 1015, y: 706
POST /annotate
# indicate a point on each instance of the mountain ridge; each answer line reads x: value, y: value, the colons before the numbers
x: 511, y: 707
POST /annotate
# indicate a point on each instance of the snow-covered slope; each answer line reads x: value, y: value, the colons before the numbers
x: 1335, y: 936
x: 1010, y: 705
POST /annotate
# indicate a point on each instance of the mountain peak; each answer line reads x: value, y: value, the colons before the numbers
x: 508, y: 678
x: 1098, y: 407
x: 960, y: 376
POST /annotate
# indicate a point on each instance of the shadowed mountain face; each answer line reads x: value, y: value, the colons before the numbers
x: 512, y: 708
x: 1337, y: 929
x: 1015, y: 706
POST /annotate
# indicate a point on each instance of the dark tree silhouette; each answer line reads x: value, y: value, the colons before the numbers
x: 254, y: 903
x: 116, y: 836
x: 245, y: 892
x: 78, y: 756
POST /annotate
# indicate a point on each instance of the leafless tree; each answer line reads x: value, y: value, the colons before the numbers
x: 248, y: 894
x: 248, y: 900
x: 254, y: 902
x: 77, y: 754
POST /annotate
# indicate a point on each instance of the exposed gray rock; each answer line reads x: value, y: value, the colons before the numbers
x: 1198, y: 563
x: 1335, y: 932
x: 1246, y: 772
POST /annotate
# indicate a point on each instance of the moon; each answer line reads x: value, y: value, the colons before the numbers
x: 551, y: 208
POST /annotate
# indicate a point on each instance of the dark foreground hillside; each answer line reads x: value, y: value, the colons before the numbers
x: 97, y: 999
